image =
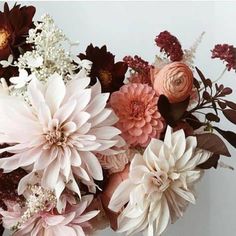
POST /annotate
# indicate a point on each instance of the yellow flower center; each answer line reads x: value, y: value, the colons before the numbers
x: 4, y: 36
x: 105, y: 77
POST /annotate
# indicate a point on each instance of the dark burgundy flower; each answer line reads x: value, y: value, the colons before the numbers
x: 226, y: 53
x: 170, y: 45
x: 110, y: 74
x: 14, y: 26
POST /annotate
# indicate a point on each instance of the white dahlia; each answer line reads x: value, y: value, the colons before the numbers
x: 57, y: 135
x: 159, y: 186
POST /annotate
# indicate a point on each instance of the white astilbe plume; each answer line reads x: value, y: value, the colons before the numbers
x: 159, y: 186
x: 48, y: 54
x: 189, y: 54
x: 59, y: 133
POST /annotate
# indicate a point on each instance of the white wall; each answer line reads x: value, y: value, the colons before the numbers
x: 130, y: 28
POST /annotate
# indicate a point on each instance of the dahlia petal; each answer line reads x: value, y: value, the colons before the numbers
x: 97, y: 104
x: 74, y: 86
x: 164, y: 219
x: 50, y: 175
x: 65, y: 111
x: 75, y: 158
x: 103, y: 115
x: 80, y: 119
x: 188, y: 196
x: 81, y: 173
x: 55, y: 92
x: 54, y: 220
x: 44, y: 114
x: 93, y: 165
x: 135, y: 131
x: 35, y: 94
x: 86, y: 217
x: 106, y: 132
x: 121, y: 195
x: 79, y: 231
x: 83, y: 99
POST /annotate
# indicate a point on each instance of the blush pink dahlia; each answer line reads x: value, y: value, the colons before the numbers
x: 139, y: 119
x: 73, y: 222
x: 59, y: 133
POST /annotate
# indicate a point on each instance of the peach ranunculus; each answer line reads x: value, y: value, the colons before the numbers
x: 175, y: 81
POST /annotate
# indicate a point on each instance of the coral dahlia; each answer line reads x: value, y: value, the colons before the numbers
x: 139, y: 119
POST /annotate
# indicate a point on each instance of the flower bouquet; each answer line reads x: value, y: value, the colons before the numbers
x: 87, y: 142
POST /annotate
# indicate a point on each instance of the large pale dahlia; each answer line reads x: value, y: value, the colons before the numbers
x: 139, y: 120
x: 159, y: 186
x: 59, y: 133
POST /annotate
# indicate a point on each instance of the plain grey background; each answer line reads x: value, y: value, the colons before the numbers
x: 130, y: 28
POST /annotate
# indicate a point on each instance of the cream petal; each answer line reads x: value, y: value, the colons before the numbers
x: 92, y: 164
x: 86, y: 217
x: 103, y: 115
x: 97, y: 104
x: 164, y: 218
x: 51, y: 174
x: 188, y: 196
x: 121, y: 195
x: 44, y: 114
x: 76, y: 85
x: 55, y: 92
x: 65, y: 111
x: 105, y: 132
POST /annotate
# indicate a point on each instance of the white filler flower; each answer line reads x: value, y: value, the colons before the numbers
x: 159, y: 186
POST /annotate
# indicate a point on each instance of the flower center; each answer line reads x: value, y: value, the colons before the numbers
x: 137, y: 109
x: 4, y: 36
x: 161, y: 181
x: 105, y: 77
x: 56, y: 137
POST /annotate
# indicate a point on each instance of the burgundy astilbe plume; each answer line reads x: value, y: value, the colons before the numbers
x: 137, y: 64
x: 226, y: 53
x: 170, y: 45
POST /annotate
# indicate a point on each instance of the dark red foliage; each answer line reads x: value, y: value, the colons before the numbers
x: 8, y: 185
x: 9, y: 181
x: 170, y: 45
x: 110, y: 74
x: 226, y: 53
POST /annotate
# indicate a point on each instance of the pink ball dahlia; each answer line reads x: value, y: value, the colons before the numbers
x: 139, y: 119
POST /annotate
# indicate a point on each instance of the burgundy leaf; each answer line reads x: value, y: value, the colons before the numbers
x: 206, y: 95
x: 208, y: 83
x: 202, y: 77
x: 228, y: 135
x: 213, y: 143
x: 211, y: 162
x: 196, y: 83
x: 212, y: 117
x: 193, y: 121
x: 230, y: 115
x: 221, y: 104
x: 226, y: 91
x: 172, y: 113
x: 231, y: 104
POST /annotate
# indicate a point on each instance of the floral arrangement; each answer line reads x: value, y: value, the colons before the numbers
x: 88, y: 143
